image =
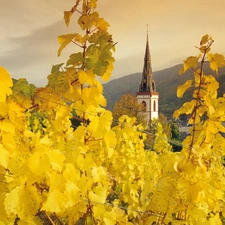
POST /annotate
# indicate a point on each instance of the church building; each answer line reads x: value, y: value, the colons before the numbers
x: 147, y: 94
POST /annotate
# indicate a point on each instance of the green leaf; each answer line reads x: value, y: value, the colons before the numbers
x: 76, y: 59
x: 55, y: 68
x: 22, y: 86
x: 182, y: 88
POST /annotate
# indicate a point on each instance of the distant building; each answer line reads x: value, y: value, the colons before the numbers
x: 147, y: 94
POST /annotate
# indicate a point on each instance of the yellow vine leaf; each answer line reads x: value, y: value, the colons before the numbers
x: 68, y: 14
x: 73, y: 193
x: 103, y: 25
x: 56, y: 160
x: 213, y: 86
x: 3, y: 109
x: 110, y: 218
x: 71, y: 173
x: 64, y: 40
x: 204, y: 39
x: 98, y: 194
x: 216, y: 61
x: 99, y: 210
x: 92, y: 4
x: 22, y: 194
x: 90, y: 78
x: 82, y: 76
x: 36, y: 160
x: 110, y: 141
x: 17, y: 116
x: 7, y: 126
x: 5, y: 84
x: 56, y: 202
x: 67, y: 17
x: 215, y: 220
x: 190, y: 62
x: 211, y: 109
x: 182, y: 88
x: 105, y: 77
x: 4, y: 156
x: 12, y: 201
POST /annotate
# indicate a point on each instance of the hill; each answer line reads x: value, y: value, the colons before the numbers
x: 167, y: 81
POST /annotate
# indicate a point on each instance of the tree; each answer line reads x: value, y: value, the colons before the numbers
x: 128, y: 105
x: 175, y: 138
x: 166, y: 125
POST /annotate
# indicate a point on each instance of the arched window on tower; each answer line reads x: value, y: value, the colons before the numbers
x: 154, y: 106
x: 144, y: 85
x: 144, y: 106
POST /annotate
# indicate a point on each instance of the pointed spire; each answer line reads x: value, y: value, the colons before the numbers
x: 147, y: 82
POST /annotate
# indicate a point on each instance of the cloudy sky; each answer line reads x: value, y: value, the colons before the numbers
x: 29, y: 30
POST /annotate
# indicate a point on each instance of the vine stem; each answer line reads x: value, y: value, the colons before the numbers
x: 194, y: 113
x: 60, y: 222
x: 49, y: 218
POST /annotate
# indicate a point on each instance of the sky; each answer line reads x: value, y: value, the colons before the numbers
x: 29, y: 31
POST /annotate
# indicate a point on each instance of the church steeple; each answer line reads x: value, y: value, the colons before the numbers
x: 147, y: 94
x: 147, y: 82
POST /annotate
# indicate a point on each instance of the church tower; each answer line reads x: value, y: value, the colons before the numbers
x: 147, y: 94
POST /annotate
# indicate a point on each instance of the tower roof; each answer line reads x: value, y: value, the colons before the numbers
x: 147, y: 82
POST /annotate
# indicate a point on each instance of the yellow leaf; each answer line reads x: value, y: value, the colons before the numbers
x: 56, y: 159
x: 110, y: 218
x: 7, y: 126
x: 90, y: 78
x: 215, y: 220
x: 70, y: 173
x: 216, y: 61
x: 213, y: 86
x: 181, y: 71
x: 190, y: 62
x: 36, y: 160
x: 64, y: 40
x: 105, y: 77
x: 103, y: 25
x: 68, y: 14
x: 110, y: 141
x: 81, y: 76
x: 5, y: 84
x: 204, y: 39
x: 98, y: 194
x: 92, y: 4
x: 3, y: 109
x: 182, y: 88
x: 12, y: 201
x: 99, y: 174
x: 67, y: 17
x: 4, y: 156
x: 56, y: 202
x: 17, y: 116
x: 73, y: 193
x: 99, y: 210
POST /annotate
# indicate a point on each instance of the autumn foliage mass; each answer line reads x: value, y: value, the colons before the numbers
x: 95, y: 172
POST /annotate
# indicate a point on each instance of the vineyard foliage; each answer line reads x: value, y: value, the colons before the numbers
x: 98, y: 173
